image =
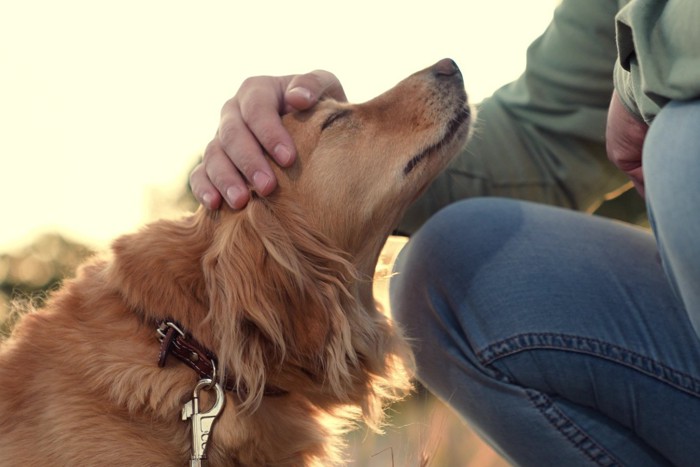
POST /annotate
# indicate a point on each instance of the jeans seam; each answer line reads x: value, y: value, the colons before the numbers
x: 564, y: 425
x: 594, y: 347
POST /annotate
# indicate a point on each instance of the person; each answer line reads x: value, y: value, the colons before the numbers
x: 563, y: 338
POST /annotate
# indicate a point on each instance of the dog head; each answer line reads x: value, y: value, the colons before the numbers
x: 290, y: 275
x: 360, y: 165
x: 281, y: 290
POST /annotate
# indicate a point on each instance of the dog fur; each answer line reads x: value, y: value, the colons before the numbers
x: 280, y: 291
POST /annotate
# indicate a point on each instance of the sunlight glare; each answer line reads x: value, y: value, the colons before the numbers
x: 101, y: 104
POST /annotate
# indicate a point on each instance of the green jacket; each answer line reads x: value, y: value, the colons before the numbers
x: 659, y: 54
x: 542, y: 137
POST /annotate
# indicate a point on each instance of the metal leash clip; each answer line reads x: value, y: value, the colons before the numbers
x: 202, y: 421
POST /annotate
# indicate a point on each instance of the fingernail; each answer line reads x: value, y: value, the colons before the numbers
x: 233, y: 195
x: 261, y: 180
x: 301, y: 92
x: 206, y: 200
x: 283, y: 154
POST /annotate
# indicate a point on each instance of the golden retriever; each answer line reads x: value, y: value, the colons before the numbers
x: 277, y: 296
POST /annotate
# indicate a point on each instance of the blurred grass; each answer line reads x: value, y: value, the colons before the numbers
x: 32, y: 272
x: 422, y: 432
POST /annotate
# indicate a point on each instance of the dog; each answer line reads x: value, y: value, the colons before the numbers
x: 263, y: 315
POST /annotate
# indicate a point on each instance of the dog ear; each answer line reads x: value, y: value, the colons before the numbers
x: 157, y: 268
x: 278, y: 293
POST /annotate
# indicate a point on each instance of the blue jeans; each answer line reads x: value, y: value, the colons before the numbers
x: 566, y: 339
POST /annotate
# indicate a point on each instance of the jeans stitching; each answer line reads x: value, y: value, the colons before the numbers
x: 587, y: 445
x: 594, y: 347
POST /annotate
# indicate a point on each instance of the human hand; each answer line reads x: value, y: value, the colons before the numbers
x: 251, y: 125
x: 624, y: 138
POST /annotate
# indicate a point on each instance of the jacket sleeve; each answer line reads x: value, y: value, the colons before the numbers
x: 541, y: 137
x: 659, y: 54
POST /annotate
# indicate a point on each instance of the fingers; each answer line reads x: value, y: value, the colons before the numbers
x: 260, y: 104
x: 216, y: 179
x: 251, y: 126
x: 235, y: 159
x: 219, y: 178
x: 625, y: 136
x: 304, y: 91
x: 203, y: 189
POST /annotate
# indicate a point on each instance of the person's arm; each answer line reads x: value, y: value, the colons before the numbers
x: 659, y: 54
x: 542, y: 137
x: 659, y: 61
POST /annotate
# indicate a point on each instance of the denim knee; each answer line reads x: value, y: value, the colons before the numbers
x: 450, y: 247
x: 504, y: 300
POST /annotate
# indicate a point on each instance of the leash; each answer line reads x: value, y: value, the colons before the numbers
x: 174, y: 341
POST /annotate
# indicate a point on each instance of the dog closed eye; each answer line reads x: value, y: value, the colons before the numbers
x: 334, y: 117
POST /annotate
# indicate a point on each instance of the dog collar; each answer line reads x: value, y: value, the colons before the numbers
x: 175, y: 341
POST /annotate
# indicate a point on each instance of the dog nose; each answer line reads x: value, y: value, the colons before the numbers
x: 445, y: 67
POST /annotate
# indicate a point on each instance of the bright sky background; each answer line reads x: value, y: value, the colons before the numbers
x: 104, y: 103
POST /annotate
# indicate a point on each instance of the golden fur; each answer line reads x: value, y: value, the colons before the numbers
x: 281, y: 292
